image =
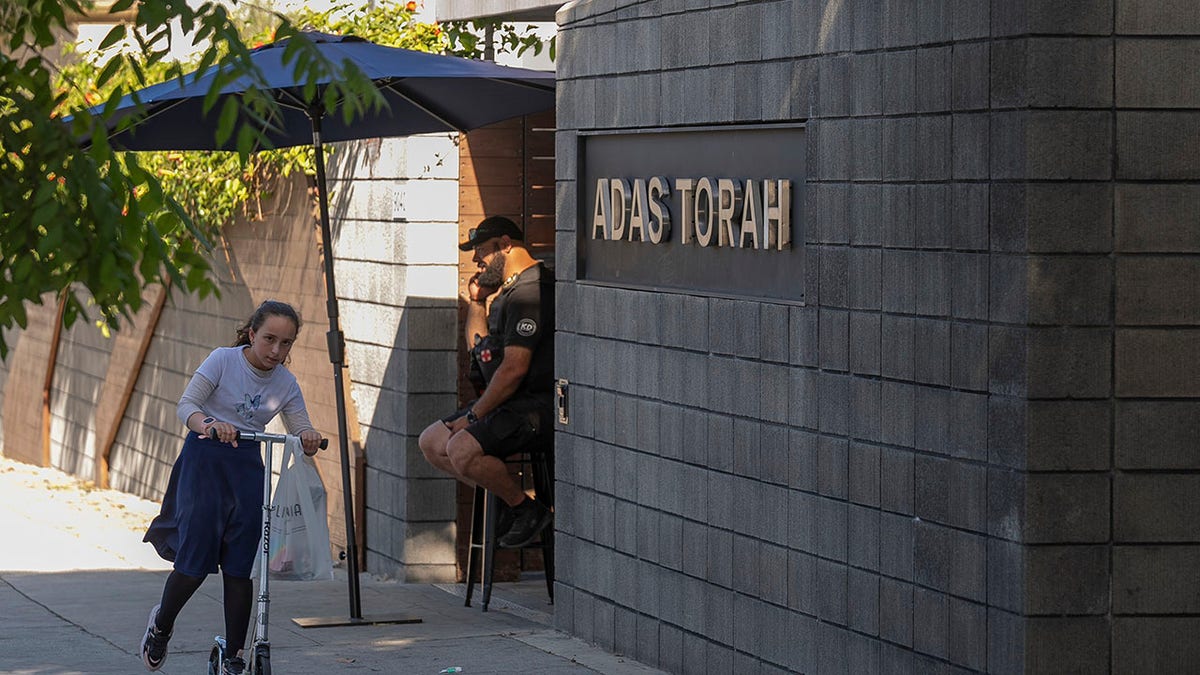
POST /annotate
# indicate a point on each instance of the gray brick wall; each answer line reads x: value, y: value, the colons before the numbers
x: 12, y: 338
x: 78, y: 380
x: 397, y: 215
x: 149, y: 436
x: 973, y: 448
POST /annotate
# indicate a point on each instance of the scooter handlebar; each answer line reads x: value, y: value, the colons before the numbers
x: 256, y: 436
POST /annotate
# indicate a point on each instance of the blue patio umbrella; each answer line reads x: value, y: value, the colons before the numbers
x: 424, y: 93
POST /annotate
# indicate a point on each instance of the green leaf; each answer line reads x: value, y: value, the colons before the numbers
x: 108, y: 266
x: 110, y: 69
x: 229, y: 115
x: 167, y: 223
x: 71, y: 309
x: 195, y: 278
x: 206, y: 60
x: 247, y: 141
x: 53, y: 238
x: 139, y: 73
x: 111, y: 103
x: 44, y: 206
x: 114, y: 36
x: 22, y: 268
x: 18, y: 314
x: 57, y: 15
x: 137, y: 174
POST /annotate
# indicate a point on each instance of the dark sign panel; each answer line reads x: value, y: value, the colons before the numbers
x: 710, y: 210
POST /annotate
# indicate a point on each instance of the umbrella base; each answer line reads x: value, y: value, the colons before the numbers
x: 330, y: 621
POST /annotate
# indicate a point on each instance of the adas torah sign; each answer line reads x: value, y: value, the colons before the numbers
x: 715, y: 211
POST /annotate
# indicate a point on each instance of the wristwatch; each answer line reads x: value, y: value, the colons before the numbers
x: 471, y: 418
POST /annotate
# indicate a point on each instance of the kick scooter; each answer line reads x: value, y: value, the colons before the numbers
x: 259, y: 661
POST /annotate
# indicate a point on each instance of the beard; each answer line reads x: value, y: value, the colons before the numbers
x: 493, y: 275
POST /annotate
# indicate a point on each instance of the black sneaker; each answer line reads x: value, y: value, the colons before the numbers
x: 504, y: 520
x: 234, y: 666
x: 531, y: 517
x: 154, y: 643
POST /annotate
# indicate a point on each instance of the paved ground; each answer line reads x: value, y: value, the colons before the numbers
x: 76, y: 584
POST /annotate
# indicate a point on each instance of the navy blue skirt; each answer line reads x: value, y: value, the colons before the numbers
x: 211, y: 514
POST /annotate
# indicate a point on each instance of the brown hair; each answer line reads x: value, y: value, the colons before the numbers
x: 268, y: 308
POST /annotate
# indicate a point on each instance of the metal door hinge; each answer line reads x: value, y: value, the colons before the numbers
x: 560, y: 396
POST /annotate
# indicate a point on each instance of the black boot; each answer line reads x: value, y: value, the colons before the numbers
x: 530, y: 517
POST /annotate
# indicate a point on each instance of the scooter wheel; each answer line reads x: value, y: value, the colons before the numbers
x: 262, y: 663
x: 214, y: 661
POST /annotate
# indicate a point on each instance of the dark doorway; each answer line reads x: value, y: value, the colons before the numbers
x: 506, y: 169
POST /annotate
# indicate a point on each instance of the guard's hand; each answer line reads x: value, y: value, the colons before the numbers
x: 226, y: 432
x: 476, y: 292
x: 457, y: 425
x: 311, y: 440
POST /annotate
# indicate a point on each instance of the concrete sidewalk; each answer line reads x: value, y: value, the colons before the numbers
x: 92, y: 621
x: 77, y: 584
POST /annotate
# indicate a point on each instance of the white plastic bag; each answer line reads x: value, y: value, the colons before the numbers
x: 299, y: 530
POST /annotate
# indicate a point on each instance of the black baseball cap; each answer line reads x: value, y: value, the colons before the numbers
x: 489, y: 228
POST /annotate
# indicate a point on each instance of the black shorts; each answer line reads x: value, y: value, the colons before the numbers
x: 523, y: 422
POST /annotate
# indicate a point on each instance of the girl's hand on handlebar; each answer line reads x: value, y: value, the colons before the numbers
x: 311, y: 440
x: 224, y: 431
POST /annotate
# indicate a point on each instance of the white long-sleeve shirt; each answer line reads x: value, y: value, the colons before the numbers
x: 228, y: 388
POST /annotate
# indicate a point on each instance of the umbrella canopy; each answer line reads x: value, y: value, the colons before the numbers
x: 424, y: 93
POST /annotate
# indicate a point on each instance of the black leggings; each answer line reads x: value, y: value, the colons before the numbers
x: 239, y: 596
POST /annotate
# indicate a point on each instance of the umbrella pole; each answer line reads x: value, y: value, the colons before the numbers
x: 337, y: 348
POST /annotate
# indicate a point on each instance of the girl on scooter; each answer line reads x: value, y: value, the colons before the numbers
x: 212, y: 509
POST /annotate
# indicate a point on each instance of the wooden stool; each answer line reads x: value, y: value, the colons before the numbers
x: 485, y: 511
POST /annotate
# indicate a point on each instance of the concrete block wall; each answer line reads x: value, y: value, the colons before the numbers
x: 814, y: 485
x: 1051, y: 165
x: 11, y: 338
x: 394, y: 203
x: 150, y: 435
x: 1154, y: 335
x: 93, y: 376
x: 24, y: 380
x: 971, y: 449
x: 1099, y: 212
x: 79, y: 378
